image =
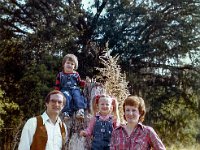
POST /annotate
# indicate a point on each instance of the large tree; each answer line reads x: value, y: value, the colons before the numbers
x: 151, y: 38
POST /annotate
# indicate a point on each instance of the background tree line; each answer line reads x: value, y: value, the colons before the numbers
x: 151, y: 38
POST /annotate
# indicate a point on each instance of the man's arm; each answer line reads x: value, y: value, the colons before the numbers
x: 27, y: 134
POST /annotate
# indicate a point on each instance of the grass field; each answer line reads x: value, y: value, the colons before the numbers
x: 193, y: 147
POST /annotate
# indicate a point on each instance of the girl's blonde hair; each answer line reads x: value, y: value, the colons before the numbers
x: 70, y: 57
x: 95, y: 102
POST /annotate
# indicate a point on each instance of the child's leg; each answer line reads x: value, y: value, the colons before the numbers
x: 79, y: 100
x: 79, y: 103
x: 67, y: 107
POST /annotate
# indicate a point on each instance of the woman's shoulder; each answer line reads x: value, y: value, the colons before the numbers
x: 121, y: 126
x: 148, y: 128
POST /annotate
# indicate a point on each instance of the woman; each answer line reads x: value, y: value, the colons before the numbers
x: 134, y: 135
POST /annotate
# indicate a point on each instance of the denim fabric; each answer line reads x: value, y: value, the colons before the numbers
x: 102, y: 134
x: 69, y: 87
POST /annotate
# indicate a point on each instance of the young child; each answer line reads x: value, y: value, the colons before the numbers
x: 104, y: 121
x: 68, y: 82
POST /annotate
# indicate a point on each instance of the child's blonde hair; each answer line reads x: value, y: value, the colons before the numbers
x: 70, y: 57
x: 114, y: 103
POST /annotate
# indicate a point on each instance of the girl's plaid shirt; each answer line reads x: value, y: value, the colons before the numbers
x: 142, y: 138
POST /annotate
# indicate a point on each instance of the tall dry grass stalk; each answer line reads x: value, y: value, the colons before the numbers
x: 115, y: 83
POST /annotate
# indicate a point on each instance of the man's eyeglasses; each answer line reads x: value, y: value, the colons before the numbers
x: 54, y: 101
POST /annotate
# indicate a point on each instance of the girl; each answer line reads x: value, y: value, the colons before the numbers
x: 101, y: 125
x: 134, y: 135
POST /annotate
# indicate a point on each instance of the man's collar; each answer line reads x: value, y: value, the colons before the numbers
x: 46, y: 118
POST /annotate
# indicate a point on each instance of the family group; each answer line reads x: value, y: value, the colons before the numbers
x: 49, y: 132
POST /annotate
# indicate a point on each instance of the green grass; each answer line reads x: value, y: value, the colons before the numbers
x: 192, y: 147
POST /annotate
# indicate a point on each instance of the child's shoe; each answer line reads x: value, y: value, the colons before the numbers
x: 80, y: 114
x: 66, y: 116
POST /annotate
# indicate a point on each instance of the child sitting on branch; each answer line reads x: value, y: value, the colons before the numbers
x: 69, y: 82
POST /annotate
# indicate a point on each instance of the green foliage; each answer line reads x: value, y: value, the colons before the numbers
x: 184, y: 147
x: 177, y: 116
x: 41, y: 81
x: 10, y: 120
x: 151, y: 38
x: 6, y: 107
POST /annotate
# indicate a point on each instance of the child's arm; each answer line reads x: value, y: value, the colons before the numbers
x: 57, y: 86
x: 80, y: 82
x: 89, y: 130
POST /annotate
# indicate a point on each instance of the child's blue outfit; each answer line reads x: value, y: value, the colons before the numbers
x: 100, y: 129
x: 68, y: 84
x: 102, y: 134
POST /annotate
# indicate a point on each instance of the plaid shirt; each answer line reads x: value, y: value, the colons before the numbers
x: 142, y: 138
